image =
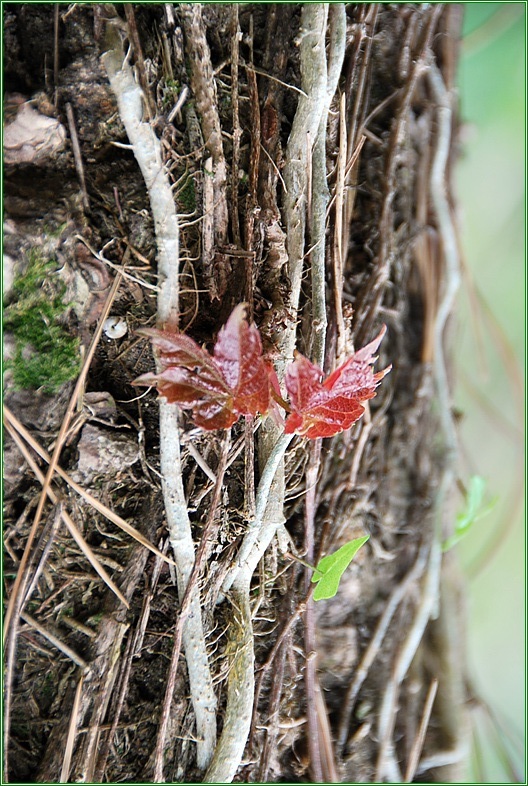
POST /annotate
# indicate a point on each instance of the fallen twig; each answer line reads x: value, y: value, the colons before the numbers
x: 72, y: 733
x: 93, y: 501
x: 60, y: 645
x: 417, y: 747
x: 134, y: 645
x: 71, y: 526
x: 77, y: 156
x: 14, y: 599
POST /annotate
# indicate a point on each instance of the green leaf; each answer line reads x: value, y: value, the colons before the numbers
x: 330, y: 569
x: 473, y: 511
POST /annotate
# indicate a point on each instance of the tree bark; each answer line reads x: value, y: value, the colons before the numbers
x: 310, y: 151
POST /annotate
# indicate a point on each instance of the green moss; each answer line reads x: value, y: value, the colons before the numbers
x: 170, y: 93
x: 54, y: 230
x: 45, y: 355
x: 187, y: 195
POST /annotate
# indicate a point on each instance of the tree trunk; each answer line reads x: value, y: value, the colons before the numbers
x: 309, y: 150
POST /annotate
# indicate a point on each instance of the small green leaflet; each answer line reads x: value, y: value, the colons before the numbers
x: 330, y: 569
x: 473, y: 511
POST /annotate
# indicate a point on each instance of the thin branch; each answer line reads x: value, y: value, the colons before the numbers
x: 240, y: 691
x: 384, y: 257
x: 338, y: 250
x: 47, y: 539
x: 208, y: 537
x: 100, y: 678
x: 237, y: 131
x: 362, y: 669
x: 208, y: 226
x: 249, y: 468
x: 310, y: 646
x: 133, y: 36
x: 320, y: 192
x: 306, y: 122
x: 56, y: 54
x: 450, y: 249
x: 279, y: 81
x: 273, y: 715
x: 108, y: 263
x: 322, y: 759
x: 241, y: 682
x: 205, y: 94
x: 389, y: 705
x: 121, y: 692
x: 430, y: 593
x: 270, y: 493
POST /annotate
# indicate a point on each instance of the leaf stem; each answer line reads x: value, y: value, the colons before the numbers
x: 302, y: 562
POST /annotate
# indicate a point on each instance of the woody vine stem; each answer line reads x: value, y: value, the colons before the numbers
x: 306, y: 144
x: 307, y: 125
x: 147, y: 150
x: 228, y: 754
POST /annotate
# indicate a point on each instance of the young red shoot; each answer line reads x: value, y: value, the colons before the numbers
x: 236, y: 380
x: 322, y: 409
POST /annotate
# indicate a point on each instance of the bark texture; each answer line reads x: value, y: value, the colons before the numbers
x: 309, y: 151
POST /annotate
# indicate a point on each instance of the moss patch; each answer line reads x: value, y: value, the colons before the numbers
x: 45, y: 355
x: 187, y: 195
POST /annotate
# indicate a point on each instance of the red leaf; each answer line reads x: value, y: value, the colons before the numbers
x: 235, y: 381
x: 238, y: 353
x: 322, y: 409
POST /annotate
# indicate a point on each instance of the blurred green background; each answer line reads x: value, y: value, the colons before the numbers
x: 490, y: 334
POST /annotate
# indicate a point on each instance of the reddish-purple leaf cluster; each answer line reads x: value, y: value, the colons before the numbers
x: 238, y: 380
x: 234, y: 381
x: 322, y: 409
